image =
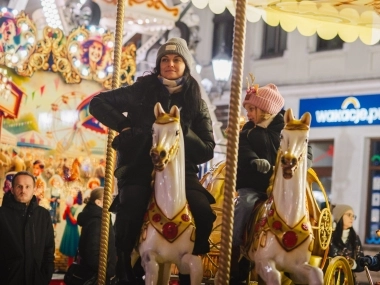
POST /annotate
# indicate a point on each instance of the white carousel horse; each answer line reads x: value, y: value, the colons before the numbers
x: 168, y: 234
x: 283, y: 238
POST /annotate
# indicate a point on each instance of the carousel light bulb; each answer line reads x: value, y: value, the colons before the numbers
x: 130, y: 22
x: 80, y: 38
x: 14, y: 12
x: 110, y: 44
x: 31, y: 40
x: 147, y: 21
x: 14, y: 59
x: 101, y: 31
x: 85, y: 72
x: 92, y: 28
x: 3, y: 10
x: 110, y: 69
x: 23, y: 53
x: 77, y: 63
x: 24, y: 27
x: 73, y: 49
x: 101, y: 74
x: 140, y: 22
x: 154, y: 20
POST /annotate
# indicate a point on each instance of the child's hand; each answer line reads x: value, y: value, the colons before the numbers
x: 263, y: 165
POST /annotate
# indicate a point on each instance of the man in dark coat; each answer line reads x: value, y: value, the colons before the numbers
x: 26, y: 236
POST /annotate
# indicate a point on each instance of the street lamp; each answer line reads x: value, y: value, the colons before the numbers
x: 222, y: 65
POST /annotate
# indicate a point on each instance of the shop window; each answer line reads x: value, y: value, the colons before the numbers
x: 274, y: 41
x: 325, y: 45
x: 373, y: 202
x: 323, y: 154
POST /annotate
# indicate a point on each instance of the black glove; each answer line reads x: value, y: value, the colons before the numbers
x: 367, y: 260
x: 263, y: 165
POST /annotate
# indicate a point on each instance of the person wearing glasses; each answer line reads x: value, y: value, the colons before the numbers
x: 344, y: 241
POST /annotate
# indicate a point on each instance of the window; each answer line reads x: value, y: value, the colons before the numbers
x: 223, y: 33
x: 323, y: 154
x: 324, y: 45
x: 373, y: 202
x: 274, y: 43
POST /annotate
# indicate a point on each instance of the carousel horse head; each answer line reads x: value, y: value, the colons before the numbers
x: 166, y: 132
x: 294, y: 141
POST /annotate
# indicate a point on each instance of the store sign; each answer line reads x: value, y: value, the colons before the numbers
x: 343, y: 111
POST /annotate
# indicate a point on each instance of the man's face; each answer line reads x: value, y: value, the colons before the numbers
x: 23, y: 188
x: 8, y: 30
x: 36, y: 170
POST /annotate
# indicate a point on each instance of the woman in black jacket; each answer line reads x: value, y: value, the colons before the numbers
x: 90, y: 220
x: 344, y: 241
x: 170, y: 84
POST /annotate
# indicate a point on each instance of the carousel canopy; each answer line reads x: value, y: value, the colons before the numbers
x: 349, y: 19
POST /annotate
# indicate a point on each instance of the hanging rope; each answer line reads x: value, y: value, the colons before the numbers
x: 223, y: 275
x: 108, y: 189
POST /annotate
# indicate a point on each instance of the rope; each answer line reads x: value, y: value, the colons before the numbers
x: 223, y: 275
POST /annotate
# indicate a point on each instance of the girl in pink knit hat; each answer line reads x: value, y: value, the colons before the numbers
x: 258, y: 144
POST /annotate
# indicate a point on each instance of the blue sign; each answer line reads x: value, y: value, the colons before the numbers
x: 343, y: 111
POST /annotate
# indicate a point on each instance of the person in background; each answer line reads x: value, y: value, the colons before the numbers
x: 4, y: 165
x: 56, y: 188
x: 70, y: 237
x: 38, y: 169
x: 344, y: 241
x: 100, y: 171
x: 17, y: 163
x: 170, y: 83
x: 26, y: 236
x: 90, y: 219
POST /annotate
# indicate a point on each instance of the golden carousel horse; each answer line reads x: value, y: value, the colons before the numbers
x: 168, y: 234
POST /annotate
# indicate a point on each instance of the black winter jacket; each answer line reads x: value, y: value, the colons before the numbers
x: 26, y: 243
x: 260, y: 143
x: 134, y: 164
x: 90, y: 219
x: 256, y: 142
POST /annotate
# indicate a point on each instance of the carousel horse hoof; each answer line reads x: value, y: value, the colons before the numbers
x: 244, y: 267
x: 184, y: 279
x: 234, y: 281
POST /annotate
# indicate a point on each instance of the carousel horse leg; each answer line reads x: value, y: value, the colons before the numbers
x: 191, y: 263
x: 151, y: 267
x: 313, y: 274
x: 268, y: 272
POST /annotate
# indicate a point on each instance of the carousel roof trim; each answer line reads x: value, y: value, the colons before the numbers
x: 350, y: 20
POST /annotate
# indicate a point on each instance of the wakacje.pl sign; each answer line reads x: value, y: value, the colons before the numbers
x: 343, y: 111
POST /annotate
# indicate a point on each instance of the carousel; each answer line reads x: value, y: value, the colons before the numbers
x: 297, y: 243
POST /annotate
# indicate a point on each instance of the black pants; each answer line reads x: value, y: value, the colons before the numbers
x: 134, y: 200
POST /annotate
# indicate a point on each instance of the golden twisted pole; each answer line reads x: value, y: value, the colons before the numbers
x: 108, y: 189
x: 223, y: 275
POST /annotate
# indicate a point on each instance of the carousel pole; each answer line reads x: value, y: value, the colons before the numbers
x: 110, y: 161
x: 223, y: 275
